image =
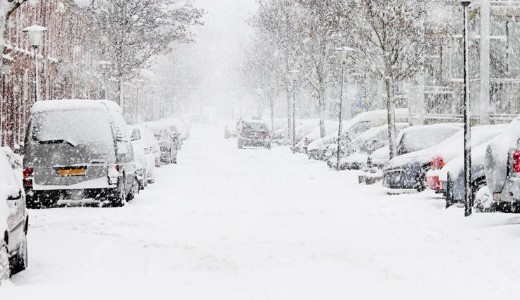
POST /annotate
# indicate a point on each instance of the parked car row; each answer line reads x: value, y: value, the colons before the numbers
x: 77, y: 151
x: 428, y: 157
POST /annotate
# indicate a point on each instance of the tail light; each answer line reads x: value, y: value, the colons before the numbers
x: 437, y: 163
x: 516, y: 161
x: 28, y: 177
x: 435, y: 183
x: 306, y: 142
x: 27, y: 172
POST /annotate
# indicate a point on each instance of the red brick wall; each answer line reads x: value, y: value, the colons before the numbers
x: 67, y: 27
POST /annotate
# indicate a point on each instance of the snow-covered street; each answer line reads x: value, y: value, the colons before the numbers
x: 258, y: 224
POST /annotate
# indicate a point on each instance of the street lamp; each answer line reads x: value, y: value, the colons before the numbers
x: 35, y: 39
x: 293, y: 76
x: 468, y: 197
x: 343, y: 56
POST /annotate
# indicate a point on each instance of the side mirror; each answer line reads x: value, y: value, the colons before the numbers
x: 136, y: 135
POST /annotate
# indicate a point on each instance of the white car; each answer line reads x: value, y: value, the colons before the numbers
x: 152, y: 152
x: 13, y: 218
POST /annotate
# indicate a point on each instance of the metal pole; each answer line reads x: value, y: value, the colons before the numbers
x: 36, y: 75
x: 468, y: 198
x: 340, y: 125
x: 294, y: 114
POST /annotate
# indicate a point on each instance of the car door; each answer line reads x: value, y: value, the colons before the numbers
x: 15, y: 197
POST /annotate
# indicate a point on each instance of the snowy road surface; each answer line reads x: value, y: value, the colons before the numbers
x: 257, y: 224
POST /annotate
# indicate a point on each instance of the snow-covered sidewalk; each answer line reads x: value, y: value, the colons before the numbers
x: 258, y: 224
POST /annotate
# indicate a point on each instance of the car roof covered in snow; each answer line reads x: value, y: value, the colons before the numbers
x: 451, y: 147
x: 49, y: 105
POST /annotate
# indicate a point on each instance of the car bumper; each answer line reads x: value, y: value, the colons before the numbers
x: 255, y: 142
x: 511, y: 192
x: 399, y: 179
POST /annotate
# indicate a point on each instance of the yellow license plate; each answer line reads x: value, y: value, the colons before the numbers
x: 71, y: 172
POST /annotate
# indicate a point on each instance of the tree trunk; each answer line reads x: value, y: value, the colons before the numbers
x: 390, y: 107
x: 321, y: 105
x: 271, y: 108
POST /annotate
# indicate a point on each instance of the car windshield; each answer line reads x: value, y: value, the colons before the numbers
x: 255, y: 127
x: 73, y: 127
x: 421, y: 139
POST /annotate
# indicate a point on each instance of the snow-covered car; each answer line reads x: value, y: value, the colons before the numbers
x: 152, y: 152
x: 14, y: 221
x: 379, y: 158
x: 498, y: 165
x: 76, y: 150
x: 177, y: 126
x: 316, y: 149
x: 450, y: 180
x: 415, y: 149
x: 360, y: 124
x: 254, y: 133
x: 331, y: 127
x: 480, y: 137
x: 364, y: 145
x: 167, y: 142
x: 139, y: 157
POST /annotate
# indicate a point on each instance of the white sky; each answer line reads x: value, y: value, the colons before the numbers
x: 221, y: 43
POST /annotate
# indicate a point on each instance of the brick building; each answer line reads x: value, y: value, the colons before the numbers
x: 67, y: 55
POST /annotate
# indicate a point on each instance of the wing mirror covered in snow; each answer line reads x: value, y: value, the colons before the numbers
x: 136, y: 135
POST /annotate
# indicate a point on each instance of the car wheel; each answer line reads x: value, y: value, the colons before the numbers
x: 268, y: 146
x: 133, y: 190
x: 420, y: 182
x: 4, y: 262
x: 33, y: 202
x: 240, y: 146
x: 118, y: 199
x: 483, y: 199
x: 21, y: 260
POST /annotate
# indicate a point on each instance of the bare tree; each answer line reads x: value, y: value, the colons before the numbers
x: 137, y: 30
x: 390, y: 36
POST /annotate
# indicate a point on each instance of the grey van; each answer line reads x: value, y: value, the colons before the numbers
x: 76, y: 150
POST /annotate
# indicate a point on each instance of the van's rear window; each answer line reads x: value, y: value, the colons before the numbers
x: 72, y: 126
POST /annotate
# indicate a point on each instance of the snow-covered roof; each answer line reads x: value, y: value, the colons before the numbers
x: 376, y: 115
x: 451, y: 147
x: 66, y: 105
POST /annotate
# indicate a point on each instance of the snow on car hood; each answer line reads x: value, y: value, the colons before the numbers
x: 319, y: 143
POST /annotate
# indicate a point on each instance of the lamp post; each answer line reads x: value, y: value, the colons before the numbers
x: 293, y: 76
x: 35, y: 39
x: 468, y: 198
x: 343, y: 55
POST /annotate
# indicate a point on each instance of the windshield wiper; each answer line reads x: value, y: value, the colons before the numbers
x: 57, y: 141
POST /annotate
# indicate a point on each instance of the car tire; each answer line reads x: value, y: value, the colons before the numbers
x: 20, y: 262
x: 133, y: 190
x: 420, y: 182
x: 268, y: 146
x: 118, y: 198
x: 5, y: 269
x: 33, y: 202
x: 482, y: 198
x: 240, y: 146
